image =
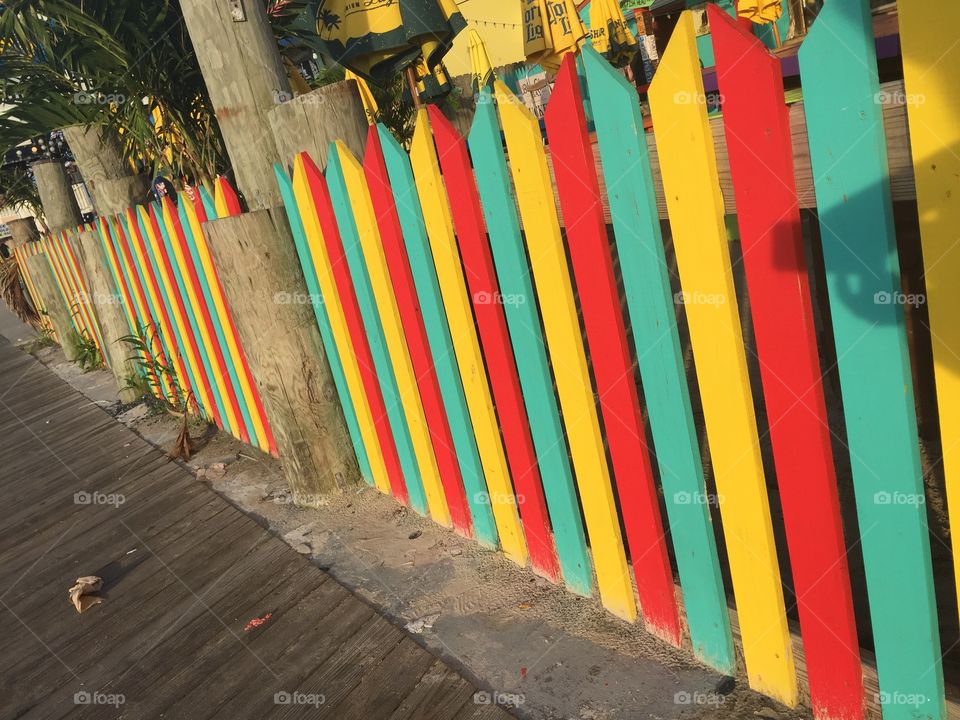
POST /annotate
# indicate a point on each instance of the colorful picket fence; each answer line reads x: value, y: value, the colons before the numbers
x: 450, y: 320
x: 172, y: 298
x: 479, y: 333
x: 22, y: 252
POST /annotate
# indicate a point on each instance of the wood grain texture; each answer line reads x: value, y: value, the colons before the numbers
x: 592, y: 266
x: 530, y: 351
x: 375, y: 261
x: 246, y: 79
x: 466, y: 344
x: 334, y: 357
x: 309, y: 123
x: 108, y: 306
x: 860, y: 257
x: 652, y: 310
x: 408, y: 306
x: 106, y: 174
x: 930, y: 58
x: 256, y: 259
x: 710, y: 302
x: 56, y: 195
x: 213, y: 291
x: 443, y: 355
x: 488, y: 303
x: 52, y: 301
x: 551, y: 275
x: 758, y: 142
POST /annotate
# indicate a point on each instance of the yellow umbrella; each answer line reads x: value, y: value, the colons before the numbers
x: 370, y: 107
x: 762, y: 12
x: 479, y: 60
x: 551, y: 29
x: 609, y: 33
x: 379, y: 38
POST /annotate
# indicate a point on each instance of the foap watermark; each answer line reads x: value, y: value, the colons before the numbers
x: 297, y: 298
x: 85, y: 697
x: 684, y: 697
x: 898, y: 498
x: 697, y: 498
x: 503, y: 699
x: 903, y: 699
x: 898, y: 97
x: 690, y: 98
x: 899, y: 298
x: 696, y: 297
x: 298, y: 698
x: 498, y: 298
x: 98, y: 498
x: 312, y: 98
x: 497, y: 498
x: 96, y: 97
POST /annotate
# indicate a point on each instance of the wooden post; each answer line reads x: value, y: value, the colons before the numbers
x: 106, y: 174
x: 311, y: 122
x: 55, y: 307
x: 22, y: 231
x: 106, y: 303
x: 246, y: 79
x: 56, y: 195
x: 271, y: 308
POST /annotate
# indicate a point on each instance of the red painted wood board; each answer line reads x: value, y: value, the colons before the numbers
x: 486, y: 298
x: 757, y: 129
x: 401, y: 277
x: 358, y: 335
x: 582, y: 209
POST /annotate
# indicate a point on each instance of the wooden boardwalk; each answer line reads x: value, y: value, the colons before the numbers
x: 184, y: 572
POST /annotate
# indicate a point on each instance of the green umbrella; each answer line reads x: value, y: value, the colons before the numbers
x: 377, y: 39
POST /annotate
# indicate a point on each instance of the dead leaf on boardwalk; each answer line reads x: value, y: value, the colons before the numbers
x: 80, y: 593
x: 184, y: 446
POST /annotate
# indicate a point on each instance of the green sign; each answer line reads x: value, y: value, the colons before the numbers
x: 635, y: 4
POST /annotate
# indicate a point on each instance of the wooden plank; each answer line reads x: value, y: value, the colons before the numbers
x: 930, y: 55
x: 348, y: 170
x: 860, y: 256
x: 348, y: 259
x: 326, y: 246
x: 466, y: 345
x: 606, y: 333
x: 758, y: 142
x: 528, y: 166
x: 488, y: 302
x: 710, y: 302
x: 185, y: 319
x: 198, y: 315
x: 323, y: 322
x: 212, y: 285
x: 443, y: 355
x: 256, y: 256
x: 530, y: 352
x: 167, y: 291
x: 408, y: 306
x: 650, y: 302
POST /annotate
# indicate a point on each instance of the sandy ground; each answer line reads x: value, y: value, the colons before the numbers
x: 537, y: 648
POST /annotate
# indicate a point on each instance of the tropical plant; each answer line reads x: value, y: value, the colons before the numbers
x: 126, y: 67
x: 86, y: 353
x: 14, y: 294
x: 19, y: 190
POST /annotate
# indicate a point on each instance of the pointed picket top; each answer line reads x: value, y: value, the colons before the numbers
x: 466, y: 344
x: 407, y: 207
x: 848, y: 153
x: 689, y: 169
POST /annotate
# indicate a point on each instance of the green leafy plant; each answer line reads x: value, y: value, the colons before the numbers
x: 86, y: 353
x: 44, y: 339
x: 151, y: 374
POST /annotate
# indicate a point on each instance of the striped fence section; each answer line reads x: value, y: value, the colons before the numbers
x: 22, y: 252
x: 454, y: 284
x: 499, y: 350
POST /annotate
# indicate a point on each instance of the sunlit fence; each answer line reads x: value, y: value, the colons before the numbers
x: 500, y: 349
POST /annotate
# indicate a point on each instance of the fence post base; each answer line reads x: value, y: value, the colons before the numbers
x: 257, y: 263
